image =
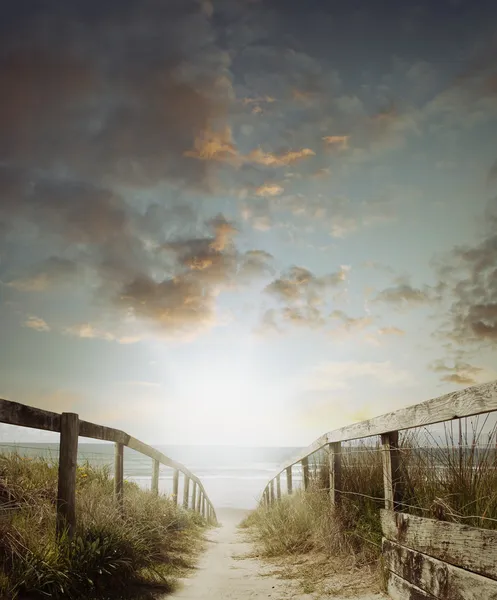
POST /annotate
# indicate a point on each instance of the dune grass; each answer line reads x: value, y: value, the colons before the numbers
x: 137, y: 554
x: 452, y: 477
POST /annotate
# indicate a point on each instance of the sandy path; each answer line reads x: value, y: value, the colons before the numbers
x: 220, y: 575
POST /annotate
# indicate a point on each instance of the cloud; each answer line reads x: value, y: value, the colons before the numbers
x: 469, y: 278
x: 336, y: 216
x: 459, y: 372
x: 36, y: 323
x: 45, y: 275
x: 202, y: 267
x: 492, y: 174
x: 270, y: 159
x: 340, y: 141
x: 122, y: 96
x: 302, y: 296
x: 404, y: 295
x: 390, y: 331
x: 349, y: 325
x: 215, y: 146
x: 269, y: 189
x: 219, y: 146
x: 88, y: 331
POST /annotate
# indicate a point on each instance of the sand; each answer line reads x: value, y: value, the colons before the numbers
x: 224, y: 572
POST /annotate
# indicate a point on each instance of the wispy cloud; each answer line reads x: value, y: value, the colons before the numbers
x: 348, y: 325
x: 45, y: 275
x: 36, y: 323
x: 91, y: 332
x: 269, y: 189
x: 339, y: 141
x: 391, y: 331
x: 405, y: 295
x: 219, y: 146
x: 459, y: 372
x: 469, y: 278
x: 302, y: 296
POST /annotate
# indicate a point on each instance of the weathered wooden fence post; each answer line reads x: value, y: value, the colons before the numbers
x: 194, y: 495
x: 203, y: 505
x: 119, y: 474
x: 68, y: 462
x: 305, y: 472
x: 199, y: 501
x: 392, y: 479
x: 289, y: 484
x: 278, y: 487
x: 155, y: 477
x: 335, y: 465
x: 186, y: 490
x: 175, y: 486
x: 271, y: 491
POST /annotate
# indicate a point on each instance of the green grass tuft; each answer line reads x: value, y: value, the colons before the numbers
x: 137, y: 554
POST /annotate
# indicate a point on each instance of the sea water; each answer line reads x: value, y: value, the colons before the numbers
x: 233, y: 477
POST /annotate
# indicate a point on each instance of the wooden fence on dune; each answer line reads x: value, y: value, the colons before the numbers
x: 71, y: 427
x: 425, y: 559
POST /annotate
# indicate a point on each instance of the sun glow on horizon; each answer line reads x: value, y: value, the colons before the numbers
x: 225, y: 404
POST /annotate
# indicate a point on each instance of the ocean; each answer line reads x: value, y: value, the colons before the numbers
x: 233, y: 477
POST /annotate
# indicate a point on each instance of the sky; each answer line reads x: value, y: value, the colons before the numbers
x: 245, y: 221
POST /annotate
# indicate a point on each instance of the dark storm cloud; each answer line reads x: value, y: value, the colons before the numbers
x: 97, y: 98
x: 121, y: 93
x: 475, y: 308
x: 470, y: 277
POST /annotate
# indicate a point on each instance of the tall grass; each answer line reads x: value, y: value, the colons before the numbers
x: 136, y: 553
x: 452, y: 476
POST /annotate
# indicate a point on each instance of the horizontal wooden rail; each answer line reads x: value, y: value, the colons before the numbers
x: 14, y: 413
x: 423, y: 558
x: 469, y: 402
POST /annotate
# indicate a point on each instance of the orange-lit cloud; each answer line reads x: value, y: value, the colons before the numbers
x: 269, y: 189
x: 459, y: 372
x: 302, y: 296
x: 349, y: 325
x: 36, y: 323
x: 340, y: 141
x: 269, y: 159
x: 391, y: 331
x: 88, y: 331
x: 219, y: 146
x: 215, y: 146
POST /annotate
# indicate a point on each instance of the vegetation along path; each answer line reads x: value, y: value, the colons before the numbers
x: 227, y: 570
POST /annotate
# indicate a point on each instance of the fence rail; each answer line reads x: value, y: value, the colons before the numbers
x: 404, y: 580
x: 71, y: 428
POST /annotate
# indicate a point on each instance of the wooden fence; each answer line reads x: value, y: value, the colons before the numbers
x: 425, y: 559
x: 71, y: 428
